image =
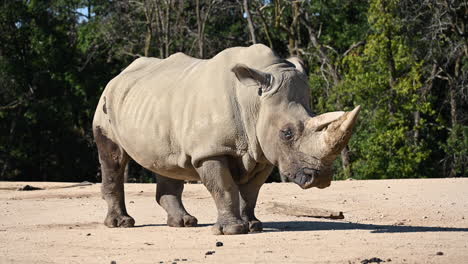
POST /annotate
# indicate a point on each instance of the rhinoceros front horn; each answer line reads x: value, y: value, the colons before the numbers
x: 337, y: 127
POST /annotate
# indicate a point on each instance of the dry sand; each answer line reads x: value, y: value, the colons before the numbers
x: 397, y: 221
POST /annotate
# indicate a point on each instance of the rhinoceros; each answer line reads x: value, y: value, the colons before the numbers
x: 225, y: 121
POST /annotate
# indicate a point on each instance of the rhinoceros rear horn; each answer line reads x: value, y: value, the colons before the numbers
x: 251, y: 77
x: 317, y: 123
x: 299, y: 64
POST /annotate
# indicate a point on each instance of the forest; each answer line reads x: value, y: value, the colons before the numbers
x: 404, y: 61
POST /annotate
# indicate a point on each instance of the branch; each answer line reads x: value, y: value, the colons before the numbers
x: 11, y: 105
x: 355, y: 45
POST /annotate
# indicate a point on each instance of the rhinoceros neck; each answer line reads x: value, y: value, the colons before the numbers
x: 248, y: 103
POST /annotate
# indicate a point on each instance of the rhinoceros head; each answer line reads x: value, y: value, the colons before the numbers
x: 301, y: 145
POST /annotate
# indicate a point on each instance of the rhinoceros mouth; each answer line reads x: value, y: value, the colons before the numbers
x: 304, y: 177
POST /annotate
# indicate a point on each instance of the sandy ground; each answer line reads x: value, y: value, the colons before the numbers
x: 397, y: 221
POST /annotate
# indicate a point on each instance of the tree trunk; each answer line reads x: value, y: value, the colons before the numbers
x: 7, y: 158
x: 250, y: 22
x: 201, y: 40
x: 392, y: 71
x: 453, y: 95
x: 148, y: 39
x: 417, y: 120
x: 346, y: 162
x: 265, y: 28
x: 167, y: 30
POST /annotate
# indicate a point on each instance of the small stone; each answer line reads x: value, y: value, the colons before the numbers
x: 372, y: 260
x: 177, y: 259
x: 131, y: 202
x: 113, y: 262
x: 149, y: 244
x: 210, y: 252
x: 88, y: 234
x: 184, y: 259
x: 440, y: 253
x: 268, y: 251
x: 219, y: 244
x: 424, y: 217
x: 389, y: 260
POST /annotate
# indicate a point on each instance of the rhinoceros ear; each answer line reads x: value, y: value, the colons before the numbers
x: 251, y: 77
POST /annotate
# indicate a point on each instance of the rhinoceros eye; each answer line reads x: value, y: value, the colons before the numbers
x: 286, y: 134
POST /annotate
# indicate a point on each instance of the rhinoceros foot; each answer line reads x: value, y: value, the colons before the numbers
x: 182, y: 221
x: 230, y: 228
x: 255, y: 226
x: 119, y: 221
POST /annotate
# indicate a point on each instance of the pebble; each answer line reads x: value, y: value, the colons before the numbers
x: 219, y: 244
x: 210, y: 252
x: 372, y: 260
x: 440, y: 253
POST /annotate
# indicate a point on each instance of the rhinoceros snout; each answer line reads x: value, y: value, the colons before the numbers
x: 308, y: 177
x: 304, y: 177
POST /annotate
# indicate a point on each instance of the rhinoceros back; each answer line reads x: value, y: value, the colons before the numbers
x: 170, y: 114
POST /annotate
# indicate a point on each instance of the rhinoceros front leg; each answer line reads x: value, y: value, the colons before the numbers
x: 248, y: 199
x: 113, y: 159
x: 169, y: 196
x: 217, y: 178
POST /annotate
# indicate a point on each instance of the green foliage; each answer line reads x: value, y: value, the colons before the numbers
x: 457, y: 151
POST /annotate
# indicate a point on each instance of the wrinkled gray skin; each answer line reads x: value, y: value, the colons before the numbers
x: 226, y: 121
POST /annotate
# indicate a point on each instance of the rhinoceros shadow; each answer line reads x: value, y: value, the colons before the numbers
x: 292, y: 226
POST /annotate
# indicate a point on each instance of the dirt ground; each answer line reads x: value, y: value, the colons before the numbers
x: 396, y: 221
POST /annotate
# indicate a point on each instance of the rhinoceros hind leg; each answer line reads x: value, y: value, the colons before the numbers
x: 169, y: 196
x: 217, y: 178
x: 113, y: 159
x: 248, y: 198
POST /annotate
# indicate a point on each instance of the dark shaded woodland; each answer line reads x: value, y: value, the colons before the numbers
x: 404, y: 61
